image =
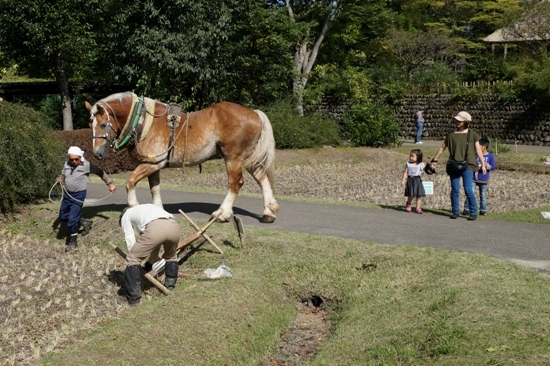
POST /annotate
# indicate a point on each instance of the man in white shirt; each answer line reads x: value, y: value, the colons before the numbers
x: 155, y: 228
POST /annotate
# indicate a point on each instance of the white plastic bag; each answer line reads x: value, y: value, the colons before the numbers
x: 220, y: 272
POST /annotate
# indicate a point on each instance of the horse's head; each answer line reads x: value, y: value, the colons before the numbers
x: 102, y: 129
x: 107, y: 118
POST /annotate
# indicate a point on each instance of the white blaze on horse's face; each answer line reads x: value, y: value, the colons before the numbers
x: 100, y: 131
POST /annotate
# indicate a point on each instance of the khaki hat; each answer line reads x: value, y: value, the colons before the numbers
x: 463, y: 116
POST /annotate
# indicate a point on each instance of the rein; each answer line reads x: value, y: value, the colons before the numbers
x: 63, y: 189
x: 186, y: 127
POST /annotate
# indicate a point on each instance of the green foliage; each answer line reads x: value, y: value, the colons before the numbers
x: 293, y: 131
x: 532, y: 76
x: 389, y: 82
x: 30, y: 159
x: 371, y: 124
x: 497, y: 146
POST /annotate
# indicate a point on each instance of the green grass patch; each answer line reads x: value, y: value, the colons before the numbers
x: 389, y: 305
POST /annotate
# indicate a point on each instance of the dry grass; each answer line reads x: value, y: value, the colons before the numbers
x: 373, y: 176
x: 47, y: 296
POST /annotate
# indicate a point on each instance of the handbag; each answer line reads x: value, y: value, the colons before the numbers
x: 454, y: 166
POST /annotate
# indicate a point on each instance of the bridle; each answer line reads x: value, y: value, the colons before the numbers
x: 107, y: 135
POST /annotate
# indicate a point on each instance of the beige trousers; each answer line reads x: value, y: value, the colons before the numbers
x: 157, y: 233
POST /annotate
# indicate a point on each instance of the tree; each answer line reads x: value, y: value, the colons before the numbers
x: 313, y: 20
x: 175, y: 49
x: 416, y: 49
x: 51, y: 39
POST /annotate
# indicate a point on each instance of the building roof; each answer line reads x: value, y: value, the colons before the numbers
x: 533, y: 29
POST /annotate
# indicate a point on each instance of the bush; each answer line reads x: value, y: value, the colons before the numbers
x: 31, y: 157
x: 371, y: 124
x: 293, y: 131
x: 116, y: 162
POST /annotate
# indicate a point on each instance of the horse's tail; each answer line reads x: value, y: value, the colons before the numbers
x: 263, y: 153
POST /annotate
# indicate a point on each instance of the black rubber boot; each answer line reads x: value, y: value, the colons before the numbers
x: 72, y: 243
x: 133, y: 284
x: 86, y: 225
x: 171, y: 275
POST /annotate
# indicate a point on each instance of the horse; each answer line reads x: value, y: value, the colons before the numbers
x: 158, y: 135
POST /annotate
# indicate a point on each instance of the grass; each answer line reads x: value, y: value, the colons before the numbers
x: 387, y: 305
x: 412, y: 306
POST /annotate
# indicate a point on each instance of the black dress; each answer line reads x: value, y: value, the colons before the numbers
x: 414, y: 186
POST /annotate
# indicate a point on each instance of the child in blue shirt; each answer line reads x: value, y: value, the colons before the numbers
x: 482, y: 180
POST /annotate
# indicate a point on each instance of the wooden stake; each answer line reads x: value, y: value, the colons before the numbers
x: 200, y: 232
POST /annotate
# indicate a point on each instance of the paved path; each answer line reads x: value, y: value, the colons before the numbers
x: 523, y: 243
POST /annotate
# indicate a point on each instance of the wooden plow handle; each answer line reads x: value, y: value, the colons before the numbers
x: 147, y: 275
x: 200, y: 232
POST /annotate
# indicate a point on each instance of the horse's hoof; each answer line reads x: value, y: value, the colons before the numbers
x: 267, y: 219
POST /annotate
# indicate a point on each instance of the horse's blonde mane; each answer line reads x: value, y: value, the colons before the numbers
x: 117, y: 97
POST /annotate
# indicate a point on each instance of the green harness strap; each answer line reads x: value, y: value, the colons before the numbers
x: 135, y: 120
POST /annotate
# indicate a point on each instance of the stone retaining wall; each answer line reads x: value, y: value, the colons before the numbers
x: 525, y: 122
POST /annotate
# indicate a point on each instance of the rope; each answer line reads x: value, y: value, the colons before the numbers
x: 158, y: 115
x: 63, y: 189
x: 186, y: 125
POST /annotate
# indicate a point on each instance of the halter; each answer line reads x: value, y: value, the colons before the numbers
x: 107, y: 136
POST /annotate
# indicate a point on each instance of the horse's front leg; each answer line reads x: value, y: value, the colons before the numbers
x: 235, y: 181
x: 154, y: 186
x: 142, y: 171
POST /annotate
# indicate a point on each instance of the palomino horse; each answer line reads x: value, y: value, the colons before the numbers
x: 157, y: 137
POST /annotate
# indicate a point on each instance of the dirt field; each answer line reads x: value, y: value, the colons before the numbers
x: 372, y: 176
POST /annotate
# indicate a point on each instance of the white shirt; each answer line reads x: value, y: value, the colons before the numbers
x: 136, y: 218
x: 415, y: 170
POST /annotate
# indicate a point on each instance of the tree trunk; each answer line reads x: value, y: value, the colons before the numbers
x: 298, y: 87
x: 66, y: 106
x: 304, y: 58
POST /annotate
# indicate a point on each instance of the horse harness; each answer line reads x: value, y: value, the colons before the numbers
x: 140, y: 121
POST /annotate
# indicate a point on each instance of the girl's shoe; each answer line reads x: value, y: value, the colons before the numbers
x: 418, y: 210
x: 408, y: 207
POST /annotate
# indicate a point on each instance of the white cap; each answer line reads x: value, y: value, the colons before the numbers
x: 75, y: 150
x: 463, y: 116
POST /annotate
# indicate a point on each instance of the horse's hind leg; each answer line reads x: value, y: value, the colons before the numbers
x: 235, y: 181
x: 270, y: 204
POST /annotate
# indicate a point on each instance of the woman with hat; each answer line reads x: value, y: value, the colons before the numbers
x: 74, y: 178
x: 463, y: 147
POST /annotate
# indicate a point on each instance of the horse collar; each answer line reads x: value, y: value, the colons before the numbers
x: 130, y: 124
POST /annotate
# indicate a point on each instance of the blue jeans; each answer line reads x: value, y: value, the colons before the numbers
x: 468, y: 182
x: 70, y: 210
x: 483, y: 188
x: 419, y: 129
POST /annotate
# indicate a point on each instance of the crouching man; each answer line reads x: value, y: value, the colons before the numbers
x: 155, y: 228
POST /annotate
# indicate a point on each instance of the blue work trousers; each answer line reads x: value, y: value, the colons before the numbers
x: 467, y: 177
x: 419, y: 129
x: 70, y: 210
